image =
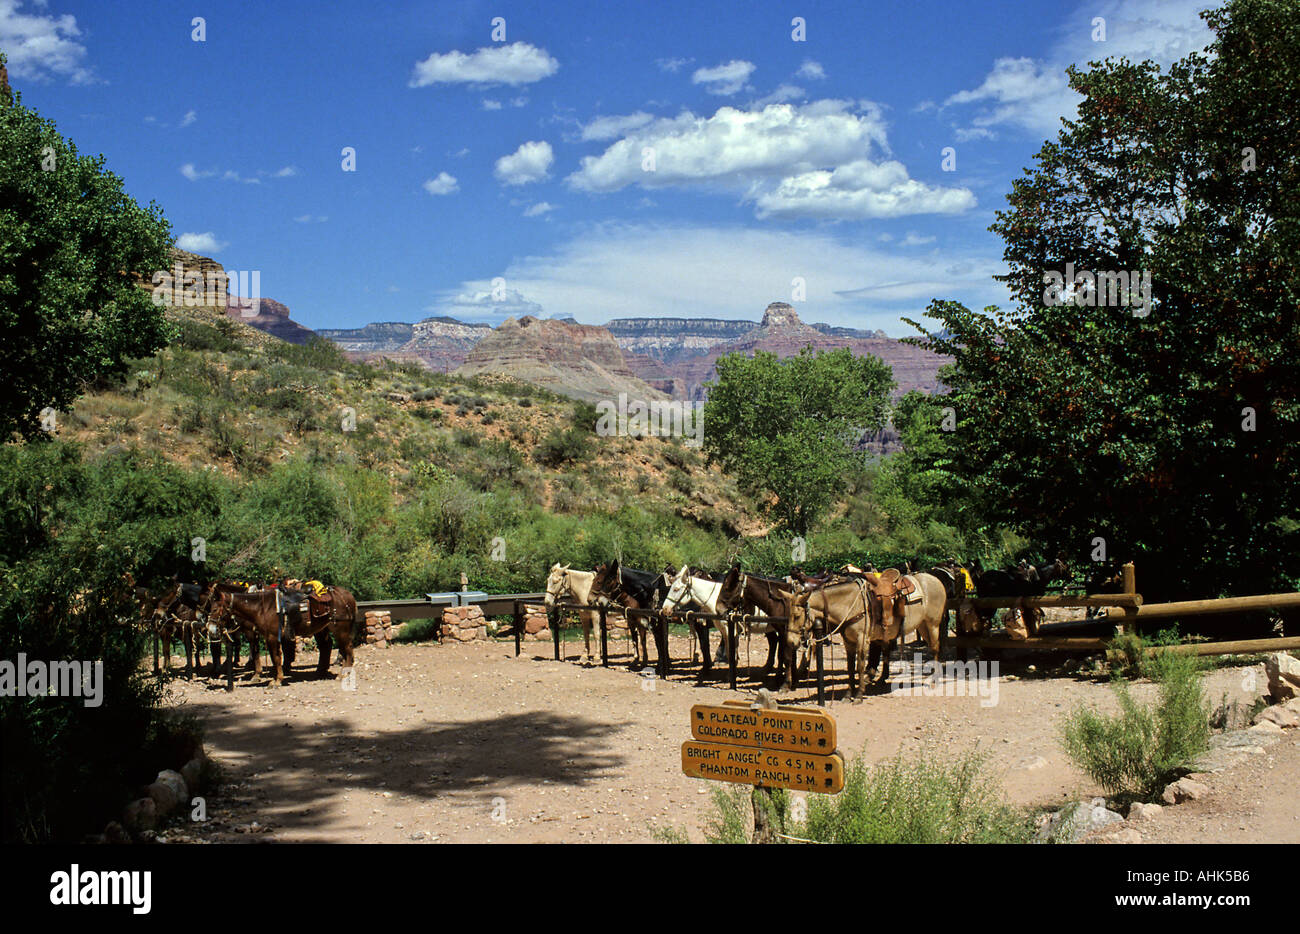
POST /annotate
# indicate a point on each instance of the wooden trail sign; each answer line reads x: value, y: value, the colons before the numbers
x: 765, y: 745
x: 770, y: 768
x: 788, y: 728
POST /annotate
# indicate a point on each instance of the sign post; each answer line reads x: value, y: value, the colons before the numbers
x: 764, y: 745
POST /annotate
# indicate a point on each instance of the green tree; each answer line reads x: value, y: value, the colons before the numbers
x: 786, y: 428
x: 71, y: 241
x: 1172, y: 431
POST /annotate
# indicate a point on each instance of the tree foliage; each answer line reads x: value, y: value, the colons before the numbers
x: 1172, y: 435
x: 786, y: 428
x: 70, y: 241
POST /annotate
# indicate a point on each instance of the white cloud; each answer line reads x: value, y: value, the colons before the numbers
x: 310, y: 219
x: 195, y: 174
x: 915, y: 239
x: 42, y: 48
x: 1034, y: 94
x: 783, y: 94
x: 811, y: 70
x: 859, y: 190
x: 489, y: 104
x: 204, y: 243
x: 725, y: 79
x: 444, y: 184
x: 531, y: 162
x: 791, y: 161
x: 611, y: 127
x: 734, y: 272
x: 190, y: 117
x: 485, y: 303
x: 538, y: 209
x: 966, y: 134
x: 514, y: 64
x: 673, y: 64
x: 734, y: 146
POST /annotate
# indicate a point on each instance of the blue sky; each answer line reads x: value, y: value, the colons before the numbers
x: 602, y: 160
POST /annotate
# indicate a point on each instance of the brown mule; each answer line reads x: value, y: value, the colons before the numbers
x: 257, y: 615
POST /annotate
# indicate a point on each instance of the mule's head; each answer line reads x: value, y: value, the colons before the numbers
x: 731, y: 586
x: 557, y: 583
x: 677, y: 589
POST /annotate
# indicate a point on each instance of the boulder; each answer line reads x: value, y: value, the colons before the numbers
x: 116, y: 833
x: 192, y: 772
x: 140, y: 815
x: 1141, y: 811
x: 1070, y: 824
x: 1283, y: 672
x: 1282, y: 715
x: 1185, y: 789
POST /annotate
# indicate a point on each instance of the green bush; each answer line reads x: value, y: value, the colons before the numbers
x: 922, y: 797
x: 1145, y: 746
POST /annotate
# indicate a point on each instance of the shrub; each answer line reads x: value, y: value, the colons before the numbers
x: 561, y: 446
x: 1144, y: 747
x: 922, y: 797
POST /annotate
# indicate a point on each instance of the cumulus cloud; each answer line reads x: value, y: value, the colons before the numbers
x: 483, y: 302
x: 611, y: 127
x: 811, y: 70
x: 819, y: 160
x: 42, y: 48
x: 734, y: 272
x: 733, y: 146
x: 673, y: 64
x: 725, y: 80
x: 205, y: 243
x: 915, y: 239
x: 783, y: 94
x: 538, y: 209
x: 860, y: 189
x: 489, y: 104
x: 515, y: 64
x: 194, y: 174
x: 444, y: 184
x: 1034, y: 94
x: 190, y: 117
x: 531, y: 162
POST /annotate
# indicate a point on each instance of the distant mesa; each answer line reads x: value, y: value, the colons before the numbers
x: 198, y: 287
x: 578, y: 360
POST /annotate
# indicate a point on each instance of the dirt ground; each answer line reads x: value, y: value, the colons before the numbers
x: 465, y: 743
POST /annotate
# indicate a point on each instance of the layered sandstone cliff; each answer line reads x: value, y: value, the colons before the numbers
x: 576, y: 360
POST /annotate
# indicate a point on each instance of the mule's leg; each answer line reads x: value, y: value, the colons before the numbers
x: 323, y: 643
x: 772, y: 640
x: 873, y: 662
x: 343, y: 635
x: 273, y: 645
x: 289, y: 650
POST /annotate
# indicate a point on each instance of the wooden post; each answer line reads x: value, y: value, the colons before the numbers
x: 604, y: 640
x: 230, y: 665
x: 661, y: 642
x: 519, y: 624
x: 555, y: 630
x: 821, y: 665
x: 761, y: 798
x: 1130, y: 578
x: 731, y: 648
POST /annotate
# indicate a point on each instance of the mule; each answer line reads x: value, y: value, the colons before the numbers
x: 755, y: 595
x: 847, y: 609
x: 563, y: 584
x: 258, y: 615
x: 907, y: 603
x: 688, y: 587
x: 633, y: 590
